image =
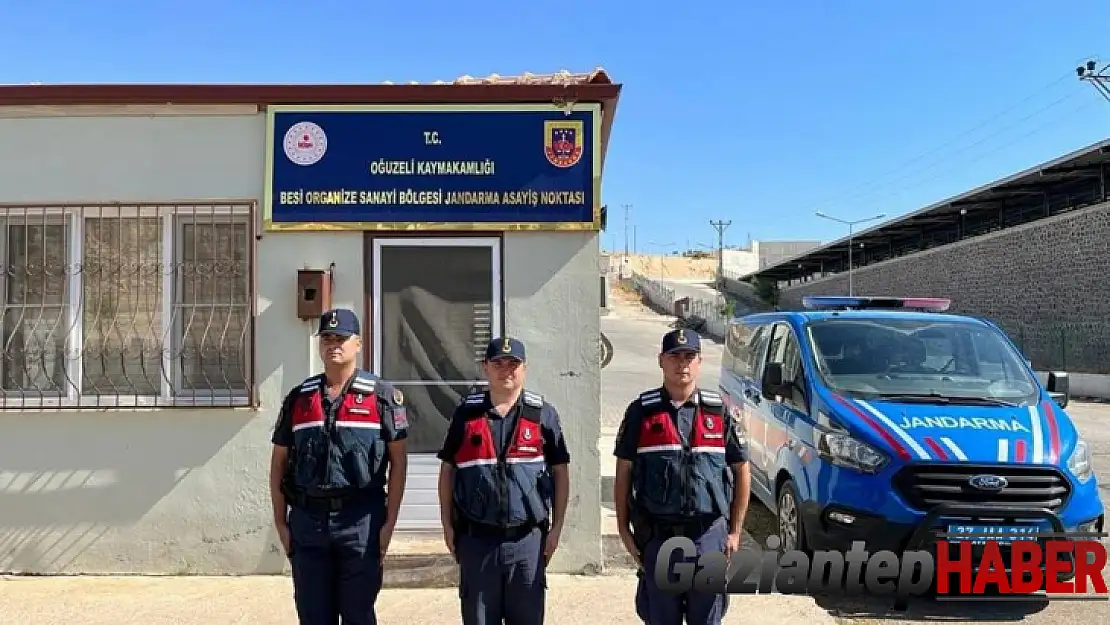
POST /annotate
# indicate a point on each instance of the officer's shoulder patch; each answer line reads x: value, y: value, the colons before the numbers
x: 398, y: 396
x: 534, y: 400
x: 474, y: 402
x: 364, y: 383
x: 651, y: 397
x: 711, y: 398
x: 311, y: 385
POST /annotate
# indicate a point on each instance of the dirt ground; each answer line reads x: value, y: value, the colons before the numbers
x: 674, y: 267
x: 624, y: 297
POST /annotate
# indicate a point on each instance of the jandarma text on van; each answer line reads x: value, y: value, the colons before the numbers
x: 853, y: 572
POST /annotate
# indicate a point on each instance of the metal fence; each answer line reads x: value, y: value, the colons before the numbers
x: 663, y: 298
x: 654, y: 293
x: 126, y: 305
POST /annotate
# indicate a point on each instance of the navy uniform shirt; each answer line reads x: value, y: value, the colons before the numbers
x: 683, y: 417
x: 555, y: 450
x: 395, y: 426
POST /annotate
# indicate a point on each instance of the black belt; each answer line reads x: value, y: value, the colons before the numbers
x: 328, y: 503
x: 692, y: 528
x: 482, y: 530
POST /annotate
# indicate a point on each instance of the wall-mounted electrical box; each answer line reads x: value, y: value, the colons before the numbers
x: 313, y: 293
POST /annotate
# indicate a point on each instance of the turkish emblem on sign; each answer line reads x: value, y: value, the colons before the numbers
x: 562, y: 142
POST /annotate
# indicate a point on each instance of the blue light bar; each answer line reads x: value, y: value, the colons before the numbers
x: 833, y: 302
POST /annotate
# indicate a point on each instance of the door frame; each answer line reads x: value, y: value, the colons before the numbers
x: 491, y: 242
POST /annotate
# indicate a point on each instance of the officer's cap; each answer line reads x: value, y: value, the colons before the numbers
x: 340, y: 322
x: 681, y: 341
x: 505, y: 348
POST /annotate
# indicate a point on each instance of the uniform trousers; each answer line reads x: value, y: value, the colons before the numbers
x: 337, y: 568
x: 658, y: 607
x: 502, y: 580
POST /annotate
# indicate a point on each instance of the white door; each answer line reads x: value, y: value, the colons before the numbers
x: 436, y: 304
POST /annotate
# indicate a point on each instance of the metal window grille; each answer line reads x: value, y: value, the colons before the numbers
x: 147, y: 305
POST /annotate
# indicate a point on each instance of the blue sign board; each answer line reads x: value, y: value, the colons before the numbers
x: 426, y: 167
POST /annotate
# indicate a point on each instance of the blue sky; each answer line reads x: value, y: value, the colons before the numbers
x: 757, y: 112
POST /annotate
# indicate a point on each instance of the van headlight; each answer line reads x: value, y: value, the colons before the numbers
x: 843, y: 450
x: 1079, y: 463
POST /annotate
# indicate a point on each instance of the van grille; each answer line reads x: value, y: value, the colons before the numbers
x: 926, y: 486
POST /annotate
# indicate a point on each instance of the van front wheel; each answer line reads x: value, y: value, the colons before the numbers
x: 791, y: 531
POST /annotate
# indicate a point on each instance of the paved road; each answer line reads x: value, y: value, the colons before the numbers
x: 635, y: 334
x: 259, y: 600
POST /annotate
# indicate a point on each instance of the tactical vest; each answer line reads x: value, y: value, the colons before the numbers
x: 342, y: 452
x: 672, y: 481
x: 502, y: 487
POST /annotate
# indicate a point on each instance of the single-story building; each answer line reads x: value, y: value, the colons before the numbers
x: 168, y: 248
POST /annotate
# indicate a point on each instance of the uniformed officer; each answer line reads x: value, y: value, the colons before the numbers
x: 681, y: 471
x: 503, y: 487
x: 337, y: 476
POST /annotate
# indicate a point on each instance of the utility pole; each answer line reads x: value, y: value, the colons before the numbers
x: 1099, y: 78
x: 721, y: 226
x: 625, y: 261
x: 627, y: 207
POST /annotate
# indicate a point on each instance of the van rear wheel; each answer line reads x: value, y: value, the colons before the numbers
x: 791, y: 531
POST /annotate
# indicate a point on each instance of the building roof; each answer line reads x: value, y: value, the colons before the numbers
x: 1025, y: 195
x: 562, y: 77
x: 593, y: 86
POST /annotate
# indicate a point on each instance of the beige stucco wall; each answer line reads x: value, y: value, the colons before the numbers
x: 184, y: 491
x: 553, y: 304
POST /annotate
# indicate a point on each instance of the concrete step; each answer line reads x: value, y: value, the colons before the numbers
x: 417, y: 562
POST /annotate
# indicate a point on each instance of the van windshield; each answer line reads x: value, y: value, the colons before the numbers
x: 921, y: 360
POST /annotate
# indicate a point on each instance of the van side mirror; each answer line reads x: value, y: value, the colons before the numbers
x: 772, y: 379
x: 1059, y: 387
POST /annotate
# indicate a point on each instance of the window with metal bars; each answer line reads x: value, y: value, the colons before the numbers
x: 145, y: 305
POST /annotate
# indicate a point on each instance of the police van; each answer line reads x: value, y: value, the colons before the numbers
x: 890, y: 421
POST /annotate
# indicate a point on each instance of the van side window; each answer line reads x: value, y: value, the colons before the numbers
x: 740, y: 336
x: 785, y: 350
x: 756, y: 348
x: 734, y: 345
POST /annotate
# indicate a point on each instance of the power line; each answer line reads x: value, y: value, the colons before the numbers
x: 946, y: 159
x: 870, y: 184
x: 999, y: 148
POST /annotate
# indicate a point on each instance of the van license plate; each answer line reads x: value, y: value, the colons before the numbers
x: 980, y: 534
